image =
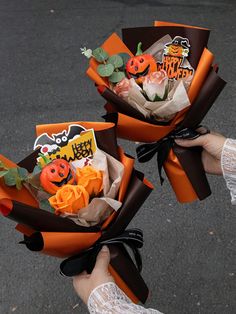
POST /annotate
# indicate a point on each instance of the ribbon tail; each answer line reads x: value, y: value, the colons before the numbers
x: 162, y: 155
x: 145, y: 152
x: 132, y: 238
x: 137, y: 257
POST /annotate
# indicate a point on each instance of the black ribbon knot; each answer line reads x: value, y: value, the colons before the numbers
x: 146, y: 152
x: 133, y: 238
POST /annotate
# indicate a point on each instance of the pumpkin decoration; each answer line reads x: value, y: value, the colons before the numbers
x: 179, y: 47
x: 140, y: 65
x: 55, y: 175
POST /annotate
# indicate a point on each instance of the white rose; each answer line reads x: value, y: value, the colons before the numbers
x: 155, y: 85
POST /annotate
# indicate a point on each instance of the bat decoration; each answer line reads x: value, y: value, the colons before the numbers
x: 53, y: 143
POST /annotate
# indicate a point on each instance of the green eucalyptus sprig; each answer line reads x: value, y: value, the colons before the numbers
x: 13, y: 176
x: 112, y: 67
x: 18, y: 175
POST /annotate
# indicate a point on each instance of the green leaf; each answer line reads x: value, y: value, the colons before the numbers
x: 116, y: 77
x: 3, y: 172
x: 125, y: 57
x: 157, y: 98
x: 37, y: 169
x: 100, y: 54
x: 44, y: 204
x: 45, y: 159
x: 10, y: 177
x: 105, y: 70
x: 23, y: 173
x: 3, y: 166
x: 18, y: 183
x: 116, y: 61
x: 34, y: 181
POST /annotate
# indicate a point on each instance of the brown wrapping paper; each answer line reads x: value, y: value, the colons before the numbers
x: 188, y: 187
x: 198, y: 38
x: 137, y: 191
x: 204, y: 89
x: 122, y: 264
x: 60, y: 237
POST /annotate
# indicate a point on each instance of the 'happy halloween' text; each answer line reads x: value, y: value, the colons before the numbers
x: 173, y: 68
x: 81, y: 147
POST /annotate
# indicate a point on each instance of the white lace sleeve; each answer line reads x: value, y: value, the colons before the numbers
x: 110, y: 299
x: 228, y: 164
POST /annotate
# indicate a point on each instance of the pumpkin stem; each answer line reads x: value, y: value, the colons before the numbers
x: 45, y: 159
x: 139, y: 50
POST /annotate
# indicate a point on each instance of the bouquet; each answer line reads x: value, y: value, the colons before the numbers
x: 76, y: 192
x: 163, y: 93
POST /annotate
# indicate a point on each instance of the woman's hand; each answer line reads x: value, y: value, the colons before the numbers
x: 85, y: 283
x: 212, y: 145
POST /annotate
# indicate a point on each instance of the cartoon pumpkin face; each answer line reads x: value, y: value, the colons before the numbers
x: 140, y: 65
x: 55, y: 175
x: 175, y: 50
x: 179, y: 47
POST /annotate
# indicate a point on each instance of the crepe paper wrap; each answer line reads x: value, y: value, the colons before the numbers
x: 183, y: 166
x: 161, y: 110
x: 57, y: 236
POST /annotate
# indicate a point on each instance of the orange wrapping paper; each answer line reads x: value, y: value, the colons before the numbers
x: 65, y: 244
x: 127, y: 126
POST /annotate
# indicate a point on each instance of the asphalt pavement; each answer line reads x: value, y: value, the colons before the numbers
x: 189, y: 255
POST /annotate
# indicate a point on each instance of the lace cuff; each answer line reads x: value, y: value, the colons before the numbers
x: 228, y: 165
x: 108, y: 298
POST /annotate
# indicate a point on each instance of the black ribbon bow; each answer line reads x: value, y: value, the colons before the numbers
x: 146, y: 152
x: 86, y: 260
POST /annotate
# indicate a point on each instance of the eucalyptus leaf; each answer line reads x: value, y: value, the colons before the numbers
x: 125, y: 57
x: 34, y: 181
x: 3, y: 173
x: 18, y: 183
x: 10, y: 177
x: 116, y: 77
x: 37, y: 169
x: 116, y: 61
x: 105, y: 70
x: 100, y: 54
x: 23, y: 173
x: 44, y: 204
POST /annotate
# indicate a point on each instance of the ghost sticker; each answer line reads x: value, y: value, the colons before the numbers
x: 174, y: 60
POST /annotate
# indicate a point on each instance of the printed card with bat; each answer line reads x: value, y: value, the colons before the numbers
x: 76, y: 143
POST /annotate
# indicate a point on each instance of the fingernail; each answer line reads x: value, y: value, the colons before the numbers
x: 104, y: 249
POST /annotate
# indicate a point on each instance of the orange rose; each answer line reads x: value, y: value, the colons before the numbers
x: 91, y: 179
x: 69, y: 199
